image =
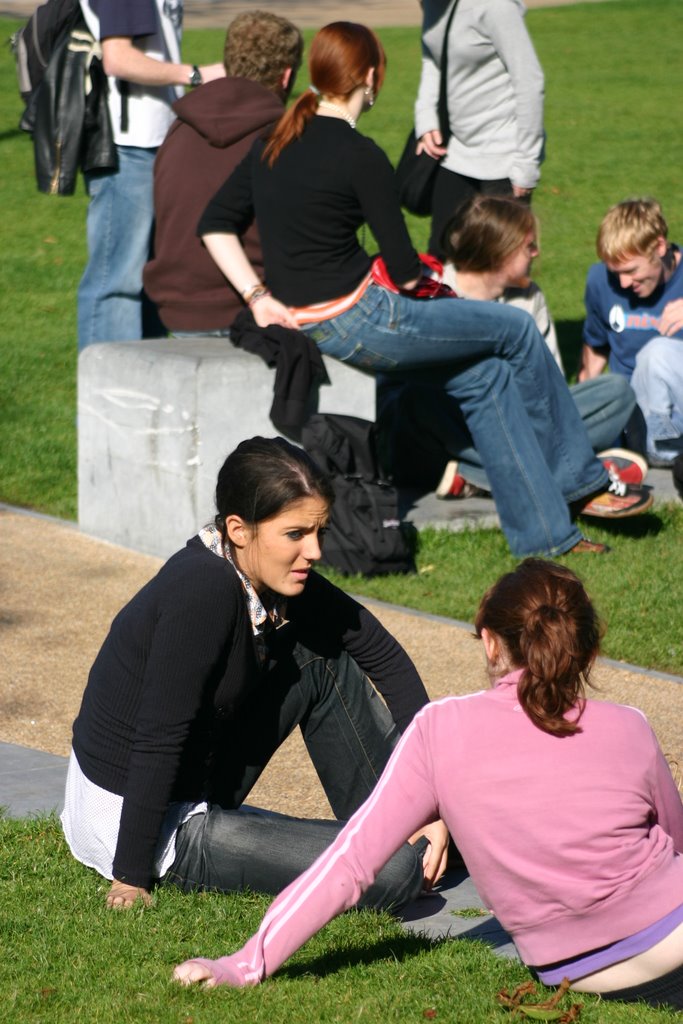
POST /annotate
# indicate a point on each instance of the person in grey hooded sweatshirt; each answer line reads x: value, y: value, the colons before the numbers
x: 215, y: 127
x: 494, y: 92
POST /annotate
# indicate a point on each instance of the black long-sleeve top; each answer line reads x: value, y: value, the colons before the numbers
x: 169, y: 680
x: 309, y: 207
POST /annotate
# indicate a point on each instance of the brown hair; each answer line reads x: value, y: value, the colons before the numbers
x: 549, y: 627
x: 340, y: 57
x: 485, y: 231
x: 261, y: 46
x: 631, y: 228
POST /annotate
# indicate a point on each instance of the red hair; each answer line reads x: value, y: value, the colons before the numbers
x: 341, y: 56
x: 549, y: 627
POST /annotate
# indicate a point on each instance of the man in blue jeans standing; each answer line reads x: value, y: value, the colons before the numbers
x: 141, y: 55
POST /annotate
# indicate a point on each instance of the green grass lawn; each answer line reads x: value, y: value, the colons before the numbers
x: 613, y: 131
x: 67, y: 959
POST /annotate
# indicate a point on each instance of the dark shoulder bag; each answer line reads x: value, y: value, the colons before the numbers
x: 415, y: 174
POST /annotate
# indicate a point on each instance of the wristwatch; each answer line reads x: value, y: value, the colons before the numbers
x: 196, y: 76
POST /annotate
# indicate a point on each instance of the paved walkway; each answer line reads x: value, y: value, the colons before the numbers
x: 304, y: 13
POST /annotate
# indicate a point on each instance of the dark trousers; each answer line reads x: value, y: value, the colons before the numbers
x: 349, y: 735
x: 451, y: 190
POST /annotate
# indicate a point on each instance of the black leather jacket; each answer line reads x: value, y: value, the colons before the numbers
x: 72, y: 130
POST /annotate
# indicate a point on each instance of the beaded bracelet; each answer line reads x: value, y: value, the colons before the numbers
x: 257, y: 292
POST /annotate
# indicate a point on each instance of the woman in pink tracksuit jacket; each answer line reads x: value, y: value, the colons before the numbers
x: 563, y: 808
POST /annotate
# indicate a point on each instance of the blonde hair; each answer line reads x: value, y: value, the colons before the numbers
x: 631, y: 228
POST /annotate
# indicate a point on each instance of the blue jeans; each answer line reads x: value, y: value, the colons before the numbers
x: 119, y: 229
x: 605, y: 405
x: 658, y: 384
x: 349, y: 735
x: 514, y: 399
x: 422, y: 429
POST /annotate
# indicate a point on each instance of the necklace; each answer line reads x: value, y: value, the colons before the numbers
x: 339, y: 110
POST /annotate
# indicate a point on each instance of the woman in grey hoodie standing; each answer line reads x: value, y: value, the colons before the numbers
x: 495, y: 103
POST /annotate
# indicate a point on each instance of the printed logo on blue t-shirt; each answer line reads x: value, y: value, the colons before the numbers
x: 617, y: 320
x: 638, y: 321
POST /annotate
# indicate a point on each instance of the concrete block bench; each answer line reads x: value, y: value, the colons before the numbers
x: 156, y: 419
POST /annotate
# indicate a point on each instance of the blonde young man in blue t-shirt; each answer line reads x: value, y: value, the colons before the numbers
x: 634, y: 320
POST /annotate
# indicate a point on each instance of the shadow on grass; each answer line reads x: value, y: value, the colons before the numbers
x: 403, y: 947
x: 12, y: 133
x: 647, y: 525
x: 569, y: 339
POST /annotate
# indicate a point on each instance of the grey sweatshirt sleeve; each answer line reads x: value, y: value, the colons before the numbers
x: 505, y: 23
x: 435, y: 17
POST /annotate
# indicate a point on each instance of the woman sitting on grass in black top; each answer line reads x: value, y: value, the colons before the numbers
x: 204, y: 674
x: 310, y: 187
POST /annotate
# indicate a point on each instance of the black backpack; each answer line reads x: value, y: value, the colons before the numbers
x: 365, y: 534
x: 33, y: 46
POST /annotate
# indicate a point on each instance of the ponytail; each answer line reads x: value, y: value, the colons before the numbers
x: 545, y: 619
x: 340, y: 58
x: 552, y: 683
x: 291, y: 125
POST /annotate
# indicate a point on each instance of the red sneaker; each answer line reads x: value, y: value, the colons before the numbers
x: 453, y: 485
x: 628, y: 466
